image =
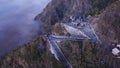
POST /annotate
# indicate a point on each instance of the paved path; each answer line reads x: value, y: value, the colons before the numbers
x: 87, y: 30
x: 57, y: 52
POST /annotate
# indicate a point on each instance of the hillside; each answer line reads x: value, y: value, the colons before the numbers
x: 34, y: 54
x: 58, y: 10
x: 108, y: 23
x: 105, y: 16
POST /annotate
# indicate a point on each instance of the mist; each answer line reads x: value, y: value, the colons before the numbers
x: 17, y: 25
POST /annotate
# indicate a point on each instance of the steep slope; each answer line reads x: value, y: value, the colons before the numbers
x: 108, y: 23
x: 89, y: 55
x: 58, y: 10
x: 34, y: 54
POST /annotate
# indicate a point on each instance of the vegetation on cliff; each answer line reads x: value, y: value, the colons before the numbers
x: 35, y: 54
x: 108, y: 23
x: 58, y: 10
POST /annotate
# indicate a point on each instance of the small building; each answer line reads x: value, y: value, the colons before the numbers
x: 116, y: 51
x: 118, y: 45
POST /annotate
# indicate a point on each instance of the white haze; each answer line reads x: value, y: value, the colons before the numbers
x: 17, y: 25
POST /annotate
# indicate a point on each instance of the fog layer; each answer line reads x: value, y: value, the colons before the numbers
x: 17, y: 25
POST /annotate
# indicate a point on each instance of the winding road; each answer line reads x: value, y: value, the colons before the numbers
x: 86, y: 30
x: 54, y: 48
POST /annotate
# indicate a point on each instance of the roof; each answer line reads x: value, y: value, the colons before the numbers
x: 115, y: 51
x: 118, y: 45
